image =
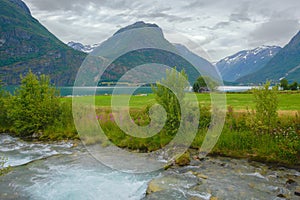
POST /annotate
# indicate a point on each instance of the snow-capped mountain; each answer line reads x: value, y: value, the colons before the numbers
x: 286, y: 63
x: 246, y: 62
x: 84, y: 48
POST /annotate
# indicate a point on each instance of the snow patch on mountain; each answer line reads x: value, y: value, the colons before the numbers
x: 246, y: 62
x: 81, y: 47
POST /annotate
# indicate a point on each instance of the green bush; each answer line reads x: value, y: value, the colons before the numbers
x: 5, y: 98
x: 3, y: 170
x: 169, y: 93
x: 266, y: 104
x: 35, y: 105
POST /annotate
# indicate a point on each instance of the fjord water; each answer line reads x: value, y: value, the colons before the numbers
x: 88, y: 91
x: 66, y: 171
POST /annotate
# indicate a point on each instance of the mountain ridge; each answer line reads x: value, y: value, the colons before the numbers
x: 246, y: 62
x: 22, y: 5
x: 283, y: 65
x: 26, y: 44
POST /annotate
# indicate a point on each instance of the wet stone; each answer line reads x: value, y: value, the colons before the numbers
x: 172, y: 181
x: 166, y: 194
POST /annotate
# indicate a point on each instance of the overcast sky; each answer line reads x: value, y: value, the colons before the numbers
x: 220, y: 27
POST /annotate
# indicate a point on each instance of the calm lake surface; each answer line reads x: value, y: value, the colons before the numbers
x: 88, y: 91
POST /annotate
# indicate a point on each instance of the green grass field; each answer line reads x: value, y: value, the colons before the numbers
x: 239, y: 101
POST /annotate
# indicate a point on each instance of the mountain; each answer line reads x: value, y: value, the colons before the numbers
x: 246, y: 62
x: 145, y: 43
x: 136, y: 25
x: 84, y: 48
x: 285, y: 64
x: 26, y: 44
x: 180, y: 48
x: 21, y: 5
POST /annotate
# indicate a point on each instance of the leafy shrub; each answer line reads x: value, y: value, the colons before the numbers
x: 35, y: 106
x: 3, y: 170
x: 169, y: 93
x: 266, y: 103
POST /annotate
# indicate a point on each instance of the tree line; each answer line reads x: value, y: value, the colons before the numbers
x: 284, y: 84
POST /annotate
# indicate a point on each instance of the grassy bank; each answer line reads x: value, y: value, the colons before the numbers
x: 242, y: 136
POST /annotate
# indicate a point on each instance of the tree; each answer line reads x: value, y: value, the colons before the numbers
x: 294, y: 86
x: 266, y: 103
x: 165, y: 90
x: 204, y: 84
x: 35, y: 105
x: 284, y: 84
x: 4, y: 100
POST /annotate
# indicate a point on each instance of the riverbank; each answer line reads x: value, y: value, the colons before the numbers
x: 239, y: 139
x: 68, y: 171
x: 243, y: 136
x: 215, y: 178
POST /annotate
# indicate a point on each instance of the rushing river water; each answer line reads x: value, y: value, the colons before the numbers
x: 64, y: 171
x: 60, y: 171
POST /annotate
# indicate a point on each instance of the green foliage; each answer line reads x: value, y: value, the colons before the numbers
x: 169, y: 93
x: 3, y: 170
x: 205, y: 117
x: 5, y: 98
x: 284, y: 84
x: 204, y: 83
x: 294, y: 86
x: 266, y: 104
x: 35, y: 105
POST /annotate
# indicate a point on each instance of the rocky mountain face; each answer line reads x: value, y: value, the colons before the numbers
x: 246, y: 62
x: 285, y: 64
x: 22, y: 5
x: 26, y: 44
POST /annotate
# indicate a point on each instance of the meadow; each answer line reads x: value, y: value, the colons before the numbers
x: 239, y: 101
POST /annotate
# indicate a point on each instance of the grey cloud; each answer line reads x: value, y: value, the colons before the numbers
x: 168, y: 17
x: 274, y: 31
x: 204, y: 3
x: 241, y: 13
x: 239, y: 17
x: 267, y: 21
x: 221, y: 25
x: 55, y: 5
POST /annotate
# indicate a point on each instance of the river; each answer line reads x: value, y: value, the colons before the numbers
x: 67, y: 171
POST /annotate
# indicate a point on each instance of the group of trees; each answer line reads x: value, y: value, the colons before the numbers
x: 204, y: 84
x: 284, y: 84
x: 34, y: 107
